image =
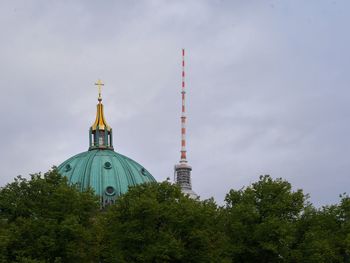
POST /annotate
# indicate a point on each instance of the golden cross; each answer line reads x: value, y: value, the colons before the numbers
x: 99, y: 85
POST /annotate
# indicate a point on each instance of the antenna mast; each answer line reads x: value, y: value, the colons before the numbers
x: 183, y: 113
x: 183, y: 170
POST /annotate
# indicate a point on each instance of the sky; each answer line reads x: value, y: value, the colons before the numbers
x: 267, y: 88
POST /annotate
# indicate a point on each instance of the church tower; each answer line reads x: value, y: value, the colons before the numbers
x: 182, y: 170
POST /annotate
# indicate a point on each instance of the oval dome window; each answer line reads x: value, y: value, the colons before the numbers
x: 68, y: 167
x: 143, y: 171
x: 108, y: 165
x: 110, y: 190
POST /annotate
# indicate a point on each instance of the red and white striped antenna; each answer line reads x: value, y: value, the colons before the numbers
x: 182, y: 171
x: 183, y: 113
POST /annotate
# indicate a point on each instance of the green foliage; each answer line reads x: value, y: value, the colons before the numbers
x: 157, y: 223
x: 345, y: 225
x: 261, y: 221
x: 323, y: 234
x: 46, y: 220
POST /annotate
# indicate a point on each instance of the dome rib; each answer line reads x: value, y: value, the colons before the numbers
x: 133, y: 166
x: 126, y: 169
x: 116, y: 176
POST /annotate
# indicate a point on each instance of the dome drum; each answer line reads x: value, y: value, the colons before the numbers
x: 100, y: 139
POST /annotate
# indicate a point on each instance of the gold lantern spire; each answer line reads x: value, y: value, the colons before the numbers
x: 100, y: 122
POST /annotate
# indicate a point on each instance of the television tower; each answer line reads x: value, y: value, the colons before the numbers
x: 182, y: 170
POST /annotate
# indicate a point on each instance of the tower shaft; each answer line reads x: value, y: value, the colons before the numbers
x: 183, y: 170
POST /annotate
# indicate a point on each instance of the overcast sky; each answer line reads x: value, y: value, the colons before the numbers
x: 268, y: 88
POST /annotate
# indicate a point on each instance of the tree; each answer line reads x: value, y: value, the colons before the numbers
x: 156, y: 223
x: 261, y: 221
x: 345, y: 225
x: 46, y: 220
x: 324, y: 234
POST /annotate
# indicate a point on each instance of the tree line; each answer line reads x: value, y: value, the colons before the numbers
x: 44, y: 219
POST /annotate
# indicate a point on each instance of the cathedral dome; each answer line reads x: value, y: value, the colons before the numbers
x: 107, y: 172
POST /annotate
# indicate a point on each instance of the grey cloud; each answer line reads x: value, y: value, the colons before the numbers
x: 267, y: 88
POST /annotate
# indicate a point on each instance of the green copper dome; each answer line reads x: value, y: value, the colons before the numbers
x: 107, y: 172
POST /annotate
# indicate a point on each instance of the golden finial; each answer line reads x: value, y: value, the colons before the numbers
x: 99, y: 85
x: 100, y: 122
